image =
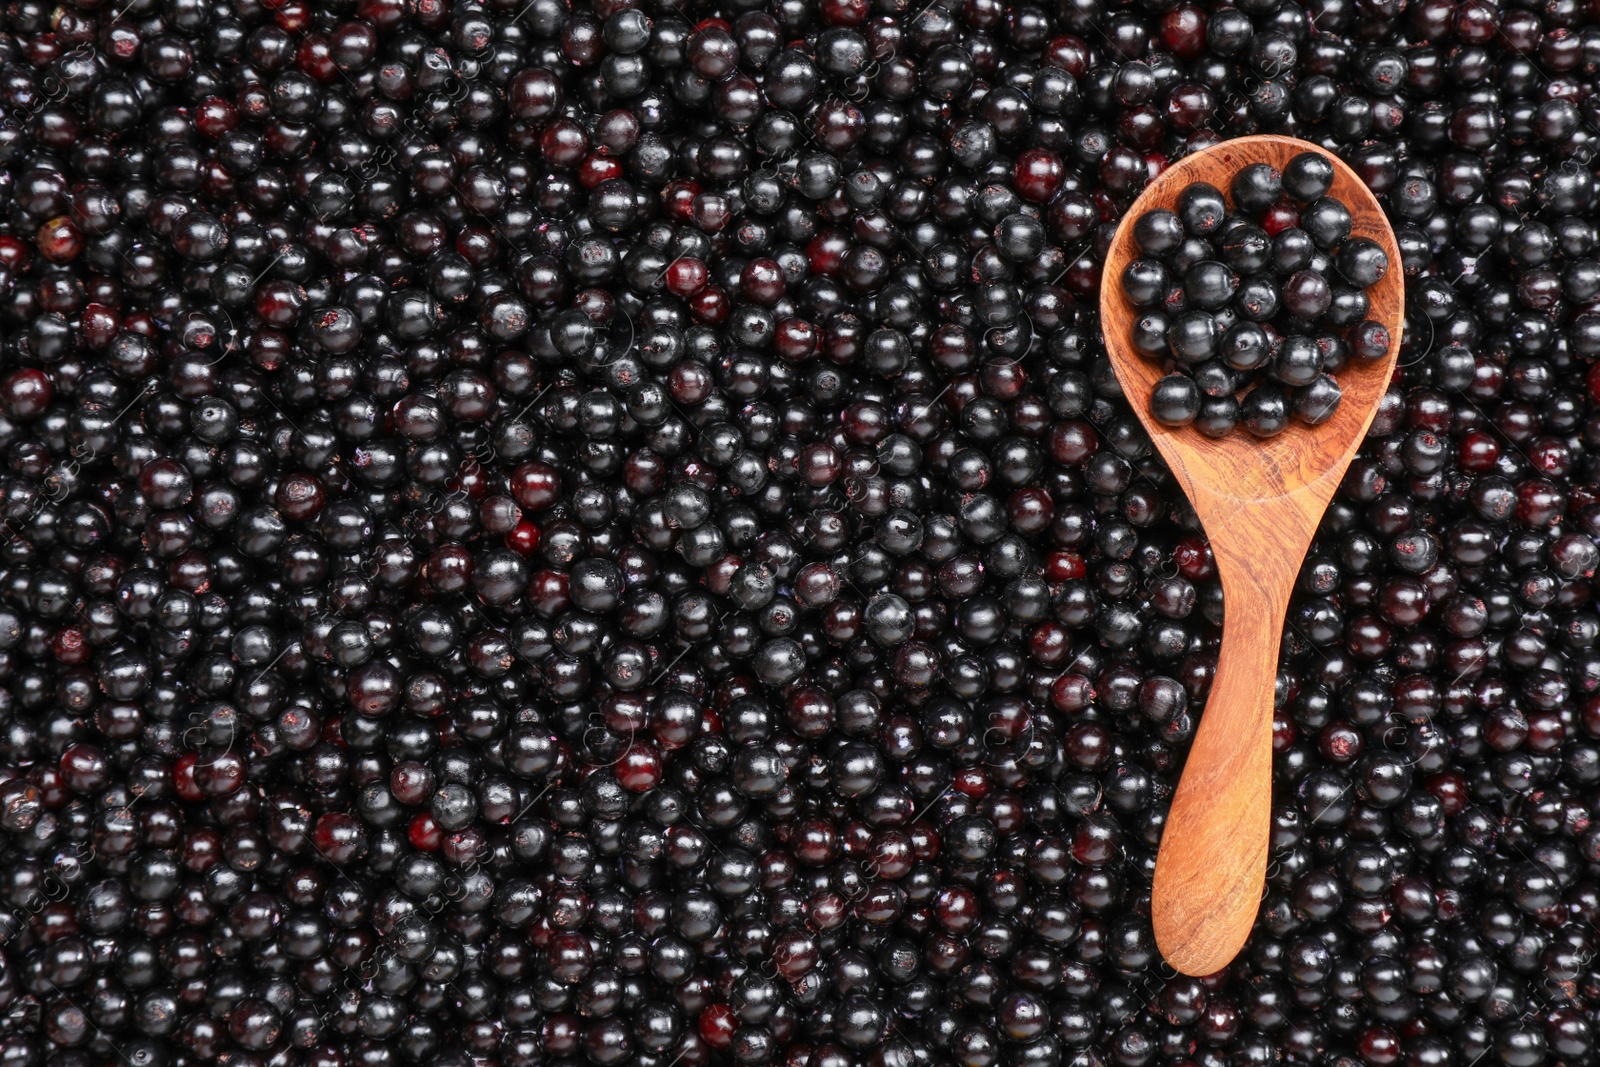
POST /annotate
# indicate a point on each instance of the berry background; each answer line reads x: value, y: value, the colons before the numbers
x: 550, y: 534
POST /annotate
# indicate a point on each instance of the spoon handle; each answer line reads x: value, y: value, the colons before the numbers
x: 1213, y: 857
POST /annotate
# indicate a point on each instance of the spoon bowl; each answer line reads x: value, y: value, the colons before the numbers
x: 1260, y: 501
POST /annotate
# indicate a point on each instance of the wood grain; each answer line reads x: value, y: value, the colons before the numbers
x: 1260, y: 502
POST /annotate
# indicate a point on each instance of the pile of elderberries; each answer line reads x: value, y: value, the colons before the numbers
x: 1240, y: 305
x: 537, y: 534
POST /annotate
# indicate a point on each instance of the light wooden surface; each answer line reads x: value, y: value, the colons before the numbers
x: 1260, y: 502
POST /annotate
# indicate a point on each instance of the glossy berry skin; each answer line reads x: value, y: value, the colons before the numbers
x: 1202, y: 209
x: 1145, y: 281
x: 1362, y: 262
x: 1307, y: 177
x: 1038, y: 174
x: 1256, y: 188
x: 1158, y: 232
x: 1265, y: 411
x: 1327, y: 221
x: 1369, y: 340
x: 1175, y: 400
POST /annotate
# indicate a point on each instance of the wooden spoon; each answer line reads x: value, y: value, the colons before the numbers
x: 1260, y: 502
